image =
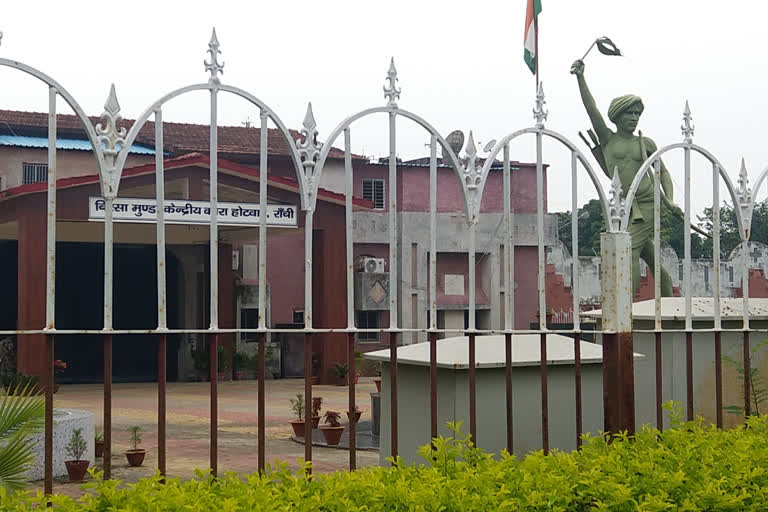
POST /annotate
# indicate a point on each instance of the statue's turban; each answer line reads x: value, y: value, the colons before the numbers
x: 622, y: 103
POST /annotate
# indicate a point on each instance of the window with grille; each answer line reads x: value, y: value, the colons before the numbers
x: 34, y: 173
x: 368, y: 320
x: 298, y: 316
x: 373, y: 190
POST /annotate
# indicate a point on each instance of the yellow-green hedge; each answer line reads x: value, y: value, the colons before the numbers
x: 691, y: 467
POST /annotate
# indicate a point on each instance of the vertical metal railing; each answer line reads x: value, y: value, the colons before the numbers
x: 308, y: 178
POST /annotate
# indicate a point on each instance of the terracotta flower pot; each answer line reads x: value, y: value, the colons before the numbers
x: 378, y: 385
x: 221, y: 376
x: 238, y: 375
x: 332, y: 435
x: 357, y: 416
x: 98, y: 447
x: 135, y: 457
x: 315, y: 421
x: 298, y: 428
x: 76, y: 469
x: 315, y: 380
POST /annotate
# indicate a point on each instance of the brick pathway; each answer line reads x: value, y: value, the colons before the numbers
x: 188, y: 425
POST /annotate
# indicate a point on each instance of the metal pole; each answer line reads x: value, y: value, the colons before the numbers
x: 107, y: 459
x: 261, y: 403
x: 393, y: 391
x: 161, y: 409
x: 48, y: 380
x: 308, y: 398
x: 544, y: 393
x: 352, y: 405
x: 213, y: 342
x: 508, y: 386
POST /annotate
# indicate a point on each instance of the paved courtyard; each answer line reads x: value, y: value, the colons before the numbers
x: 188, y: 425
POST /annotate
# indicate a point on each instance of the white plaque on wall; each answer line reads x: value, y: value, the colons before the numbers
x: 453, y: 284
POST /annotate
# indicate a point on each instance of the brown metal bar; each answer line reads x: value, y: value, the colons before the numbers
x: 107, y: 459
x: 472, y: 391
x: 308, y: 398
x: 48, y: 383
x: 618, y: 383
x: 659, y: 414
x: 213, y: 344
x: 161, y: 410
x: 508, y: 362
x: 577, y: 384
x: 544, y: 394
x: 261, y: 402
x: 689, y: 373
x: 747, y: 374
x: 432, y: 385
x: 393, y: 392
x: 719, y: 380
x: 352, y: 404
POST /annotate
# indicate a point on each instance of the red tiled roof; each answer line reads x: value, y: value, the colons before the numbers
x: 177, y: 137
x: 190, y: 159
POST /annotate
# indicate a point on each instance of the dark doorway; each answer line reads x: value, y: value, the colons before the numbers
x: 9, y: 278
x: 79, y: 305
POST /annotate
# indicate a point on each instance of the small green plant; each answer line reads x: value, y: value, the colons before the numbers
x: 340, y: 370
x: 317, y: 404
x: 201, y: 360
x: 98, y: 435
x: 135, y: 436
x: 77, y: 445
x: 240, y: 361
x: 758, y: 390
x: 297, y: 406
x: 332, y: 418
x: 22, y: 412
x: 222, y: 361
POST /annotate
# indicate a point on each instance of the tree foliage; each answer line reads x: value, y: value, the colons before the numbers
x: 592, y: 223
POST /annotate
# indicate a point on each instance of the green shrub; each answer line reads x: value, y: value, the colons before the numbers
x: 690, y: 467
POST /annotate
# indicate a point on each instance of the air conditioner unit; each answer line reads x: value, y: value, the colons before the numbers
x: 372, y: 265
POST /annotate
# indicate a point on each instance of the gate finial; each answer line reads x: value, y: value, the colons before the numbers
x: 616, y: 204
x: 539, y: 113
x: 687, y: 127
x: 391, y: 90
x: 110, y: 136
x: 309, y: 150
x: 745, y: 194
x: 214, y: 66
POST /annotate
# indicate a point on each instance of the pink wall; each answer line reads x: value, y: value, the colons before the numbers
x: 526, y: 295
x: 413, y: 190
x: 285, y: 275
x: 458, y: 264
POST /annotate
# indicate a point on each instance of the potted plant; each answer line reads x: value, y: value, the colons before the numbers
x: 202, y: 363
x: 240, y: 362
x: 135, y: 455
x: 317, y: 404
x: 377, y: 379
x: 76, y: 466
x: 340, y: 371
x: 98, y: 442
x: 358, y: 412
x: 297, y: 409
x: 315, y: 369
x: 222, y: 363
x: 332, y: 429
x: 58, y: 367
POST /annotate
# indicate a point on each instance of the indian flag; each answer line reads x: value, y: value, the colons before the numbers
x: 533, y: 10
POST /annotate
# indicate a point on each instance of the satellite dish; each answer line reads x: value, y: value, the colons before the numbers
x: 455, y: 140
x: 488, y: 147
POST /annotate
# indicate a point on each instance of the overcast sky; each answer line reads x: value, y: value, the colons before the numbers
x: 460, y: 67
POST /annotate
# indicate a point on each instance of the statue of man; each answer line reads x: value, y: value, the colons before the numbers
x: 626, y: 152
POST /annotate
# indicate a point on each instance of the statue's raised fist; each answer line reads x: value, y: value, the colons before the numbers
x: 577, y: 68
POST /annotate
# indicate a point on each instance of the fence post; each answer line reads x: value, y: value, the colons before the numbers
x: 618, y: 367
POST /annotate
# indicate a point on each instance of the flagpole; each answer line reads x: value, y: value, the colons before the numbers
x: 537, y: 61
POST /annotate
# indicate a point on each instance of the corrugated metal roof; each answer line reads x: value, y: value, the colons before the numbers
x: 75, y: 144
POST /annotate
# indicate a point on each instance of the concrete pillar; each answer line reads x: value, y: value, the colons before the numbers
x: 618, y: 364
